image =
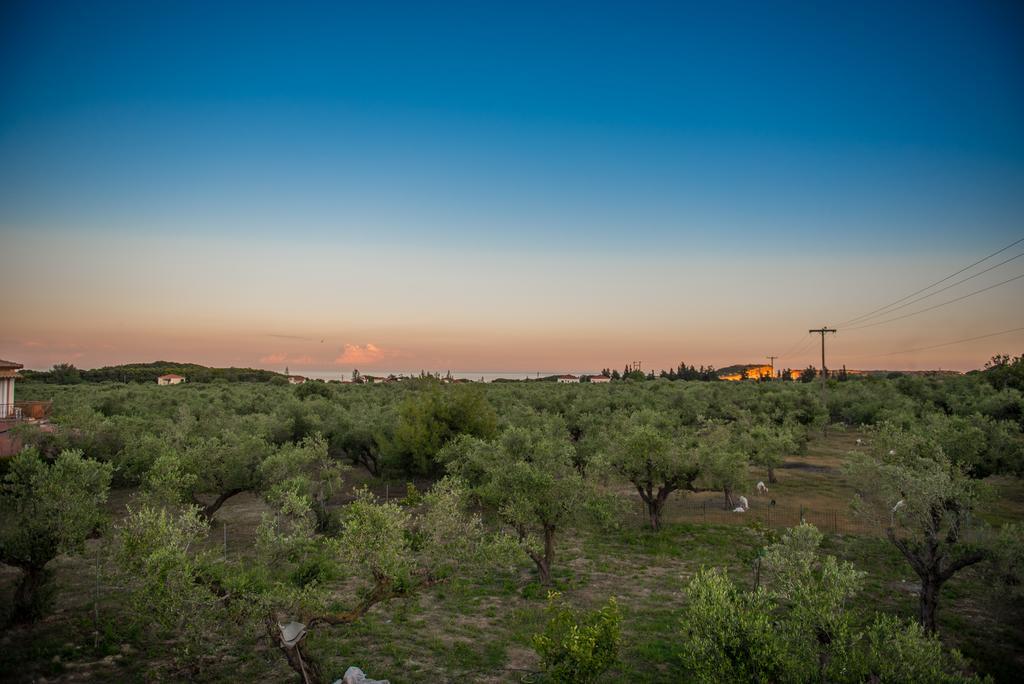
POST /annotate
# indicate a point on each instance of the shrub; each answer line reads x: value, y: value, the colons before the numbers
x: 576, y: 646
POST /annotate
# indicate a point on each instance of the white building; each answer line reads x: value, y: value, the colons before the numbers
x: 568, y: 378
x: 8, y: 372
x: 600, y: 378
x: 296, y: 379
x: 170, y: 379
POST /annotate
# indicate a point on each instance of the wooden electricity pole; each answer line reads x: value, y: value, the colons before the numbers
x: 824, y: 371
x: 821, y: 331
x: 772, y: 360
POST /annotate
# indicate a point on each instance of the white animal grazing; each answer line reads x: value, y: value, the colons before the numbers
x: 899, y: 504
x: 744, y: 503
x: 892, y: 452
x: 762, y: 488
x: 739, y: 509
x: 860, y: 441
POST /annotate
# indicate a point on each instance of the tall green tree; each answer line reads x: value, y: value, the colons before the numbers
x: 529, y: 479
x: 767, y: 445
x: 45, y: 510
x: 722, y: 459
x: 926, y: 504
x: 655, y: 463
x: 430, y: 418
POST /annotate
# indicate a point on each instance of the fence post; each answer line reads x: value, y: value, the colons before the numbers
x: 705, y: 511
x: 801, y: 513
x: 225, y: 525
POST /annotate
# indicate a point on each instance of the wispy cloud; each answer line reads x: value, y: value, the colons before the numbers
x: 293, y: 337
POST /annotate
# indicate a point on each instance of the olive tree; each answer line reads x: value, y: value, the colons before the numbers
x: 925, y: 502
x: 802, y: 627
x: 307, y: 469
x: 654, y: 463
x: 298, y: 581
x: 428, y: 419
x: 224, y: 466
x: 768, y: 445
x: 47, y: 509
x: 722, y: 459
x: 529, y: 479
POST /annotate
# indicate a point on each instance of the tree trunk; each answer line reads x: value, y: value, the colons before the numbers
x: 929, y: 603
x: 771, y: 475
x: 654, y: 513
x: 549, y: 554
x: 209, y: 511
x: 28, y: 597
x: 307, y: 668
x: 729, y: 503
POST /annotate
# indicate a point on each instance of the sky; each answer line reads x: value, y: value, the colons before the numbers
x: 508, y: 186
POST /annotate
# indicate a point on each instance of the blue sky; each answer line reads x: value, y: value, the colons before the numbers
x: 706, y: 131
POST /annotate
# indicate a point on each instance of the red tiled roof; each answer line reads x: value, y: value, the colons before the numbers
x: 172, y: 375
x: 9, y: 364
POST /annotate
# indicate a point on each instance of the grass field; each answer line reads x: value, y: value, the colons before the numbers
x: 480, y: 631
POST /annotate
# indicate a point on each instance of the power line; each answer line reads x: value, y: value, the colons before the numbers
x: 948, y: 344
x: 948, y: 287
x: 799, y: 343
x: 936, y: 306
x: 804, y: 348
x: 937, y: 282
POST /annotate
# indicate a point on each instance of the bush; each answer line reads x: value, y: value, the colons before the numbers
x: 578, y: 647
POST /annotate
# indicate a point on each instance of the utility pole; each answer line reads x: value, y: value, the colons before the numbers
x: 821, y: 331
x: 772, y: 359
x: 824, y: 371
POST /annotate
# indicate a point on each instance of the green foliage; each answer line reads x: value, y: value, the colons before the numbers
x: 723, y: 461
x: 67, y: 374
x: 925, y: 502
x: 529, y: 479
x: 45, y: 510
x: 654, y: 460
x: 897, y: 650
x: 305, y: 469
x: 429, y: 419
x: 728, y: 634
x: 1004, y: 371
x: 381, y: 550
x: 801, y: 628
x: 578, y: 647
x: 767, y: 445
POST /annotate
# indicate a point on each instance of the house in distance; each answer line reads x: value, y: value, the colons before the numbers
x: 568, y: 378
x: 170, y: 379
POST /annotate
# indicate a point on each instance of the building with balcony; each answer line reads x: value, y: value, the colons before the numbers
x: 8, y: 373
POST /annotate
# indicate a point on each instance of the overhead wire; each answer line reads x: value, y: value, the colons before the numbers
x: 936, y: 306
x: 948, y: 344
x: 863, y: 317
x: 939, y: 291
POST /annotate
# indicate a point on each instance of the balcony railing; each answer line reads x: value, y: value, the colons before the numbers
x: 10, y: 412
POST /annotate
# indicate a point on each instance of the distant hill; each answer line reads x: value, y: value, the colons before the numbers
x: 148, y: 373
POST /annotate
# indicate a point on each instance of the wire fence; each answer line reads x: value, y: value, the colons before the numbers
x: 830, y: 520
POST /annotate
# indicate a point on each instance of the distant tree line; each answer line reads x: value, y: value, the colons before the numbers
x: 68, y: 374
